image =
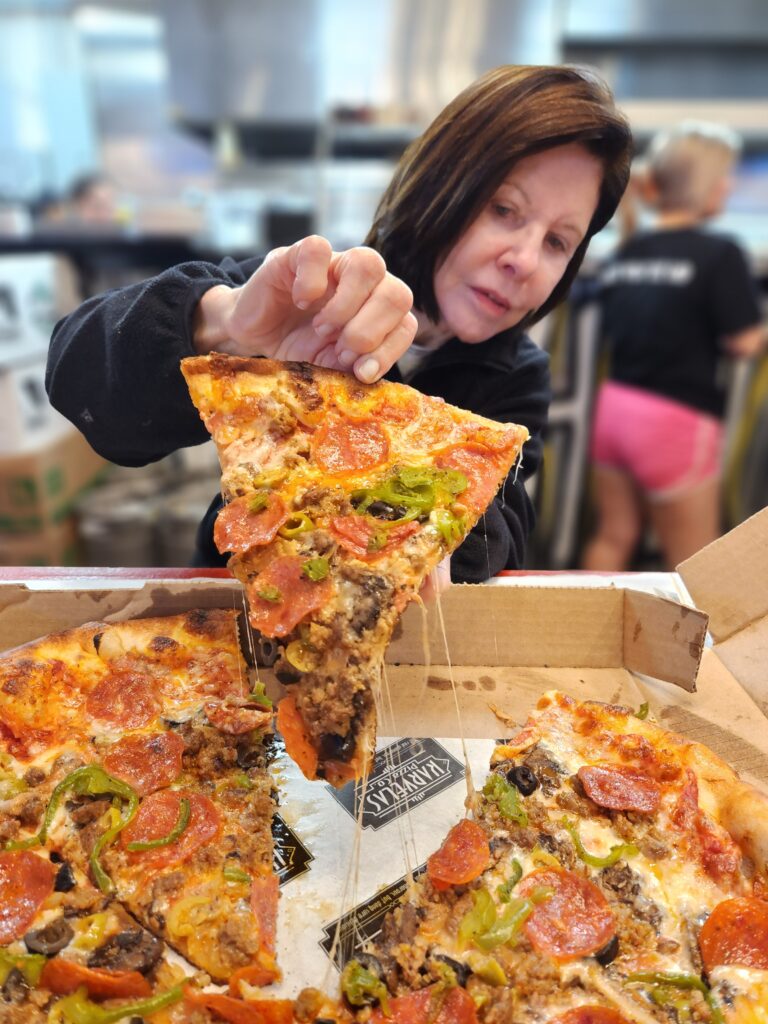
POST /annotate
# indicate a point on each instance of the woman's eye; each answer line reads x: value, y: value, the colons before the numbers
x: 557, y: 244
x: 501, y: 210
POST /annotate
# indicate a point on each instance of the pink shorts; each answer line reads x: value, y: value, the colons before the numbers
x: 668, y: 448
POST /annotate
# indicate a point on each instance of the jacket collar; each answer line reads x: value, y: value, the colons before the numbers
x: 499, y: 352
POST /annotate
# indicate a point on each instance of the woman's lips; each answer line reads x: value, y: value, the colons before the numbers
x: 490, y: 301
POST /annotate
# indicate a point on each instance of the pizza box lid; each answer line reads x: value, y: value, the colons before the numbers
x: 450, y: 669
x: 480, y: 650
x: 729, y: 579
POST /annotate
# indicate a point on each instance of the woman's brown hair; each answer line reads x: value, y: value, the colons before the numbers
x: 446, y: 177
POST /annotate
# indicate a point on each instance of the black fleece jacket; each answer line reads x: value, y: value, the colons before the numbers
x: 113, y: 370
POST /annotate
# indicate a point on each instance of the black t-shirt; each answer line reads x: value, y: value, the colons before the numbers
x: 668, y: 300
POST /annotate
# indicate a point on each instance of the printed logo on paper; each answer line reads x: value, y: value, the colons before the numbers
x: 407, y: 773
x: 362, y: 925
x: 290, y: 857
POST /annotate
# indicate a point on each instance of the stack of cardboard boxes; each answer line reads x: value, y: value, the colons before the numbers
x: 45, y: 463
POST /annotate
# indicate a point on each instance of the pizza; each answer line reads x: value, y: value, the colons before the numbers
x: 611, y: 872
x: 135, y: 820
x: 340, y: 499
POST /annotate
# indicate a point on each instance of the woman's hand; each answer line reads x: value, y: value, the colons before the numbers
x: 341, y: 310
x: 438, y: 580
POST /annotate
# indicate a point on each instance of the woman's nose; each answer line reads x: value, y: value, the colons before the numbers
x: 521, y: 255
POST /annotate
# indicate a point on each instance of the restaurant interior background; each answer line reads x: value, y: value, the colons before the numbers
x: 226, y: 127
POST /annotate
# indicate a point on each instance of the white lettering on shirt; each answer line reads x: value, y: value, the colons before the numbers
x: 675, y: 272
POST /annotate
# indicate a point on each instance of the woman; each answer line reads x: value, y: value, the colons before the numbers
x: 486, y: 221
x: 676, y: 300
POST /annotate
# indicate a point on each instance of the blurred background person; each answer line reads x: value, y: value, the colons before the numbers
x: 92, y: 200
x: 676, y: 301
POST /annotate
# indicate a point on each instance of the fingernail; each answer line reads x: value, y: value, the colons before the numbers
x: 302, y: 304
x: 368, y: 370
x: 346, y: 357
x: 325, y: 330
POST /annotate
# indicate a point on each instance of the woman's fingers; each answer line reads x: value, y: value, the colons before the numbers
x: 372, y: 365
x: 310, y: 261
x: 437, y: 581
x: 358, y: 274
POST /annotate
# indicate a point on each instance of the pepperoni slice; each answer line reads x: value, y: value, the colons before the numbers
x: 736, y: 932
x: 237, y: 1011
x: 157, y: 817
x: 239, y: 529
x: 295, y: 596
x: 264, y: 896
x: 574, y: 921
x: 590, y: 1015
x: 686, y: 812
x: 344, y: 445
x: 236, y: 717
x: 355, y: 534
x: 620, y: 788
x: 65, y: 976
x: 481, y: 468
x: 719, y: 854
x: 147, y: 762
x: 123, y: 699
x: 464, y: 855
x: 298, y: 745
x: 457, y: 1007
x: 26, y: 881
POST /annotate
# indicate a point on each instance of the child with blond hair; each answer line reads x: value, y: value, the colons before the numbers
x: 676, y: 300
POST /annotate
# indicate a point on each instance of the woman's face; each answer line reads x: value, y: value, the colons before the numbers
x: 514, y: 253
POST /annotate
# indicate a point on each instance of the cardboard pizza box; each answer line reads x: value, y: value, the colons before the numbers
x: 39, y: 484
x: 499, y: 646
x: 730, y: 579
x: 460, y: 674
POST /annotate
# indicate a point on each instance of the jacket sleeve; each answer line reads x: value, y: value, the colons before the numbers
x: 522, y: 396
x: 113, y: 364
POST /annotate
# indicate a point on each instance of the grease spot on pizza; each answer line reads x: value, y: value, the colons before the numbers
x: 488, y: 683
x: 438, y: 683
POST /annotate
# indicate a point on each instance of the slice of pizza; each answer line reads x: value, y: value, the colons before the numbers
x: 340, y: 499
x: 613, y: 873
x: 137, y: 758
x: 68, y: 953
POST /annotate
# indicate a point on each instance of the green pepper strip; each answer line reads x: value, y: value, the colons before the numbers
x: 416, y: 490
x: 10, y: 786
x: 504, y: 890
x: 642, y: 711
x: 506, y: 798
x: 233, y: 874
x: 258, y: 696
x: 450, y: 526
x: 153, y: 844
x: 30, y: 964
x: 258, y: 501
x: 486, y: 929
x: 685, y: 981
x: 614, y: 854
x: 90, y: 780
x: 316, y: 569
x: 360, y: 985
x: 78, y: 1009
